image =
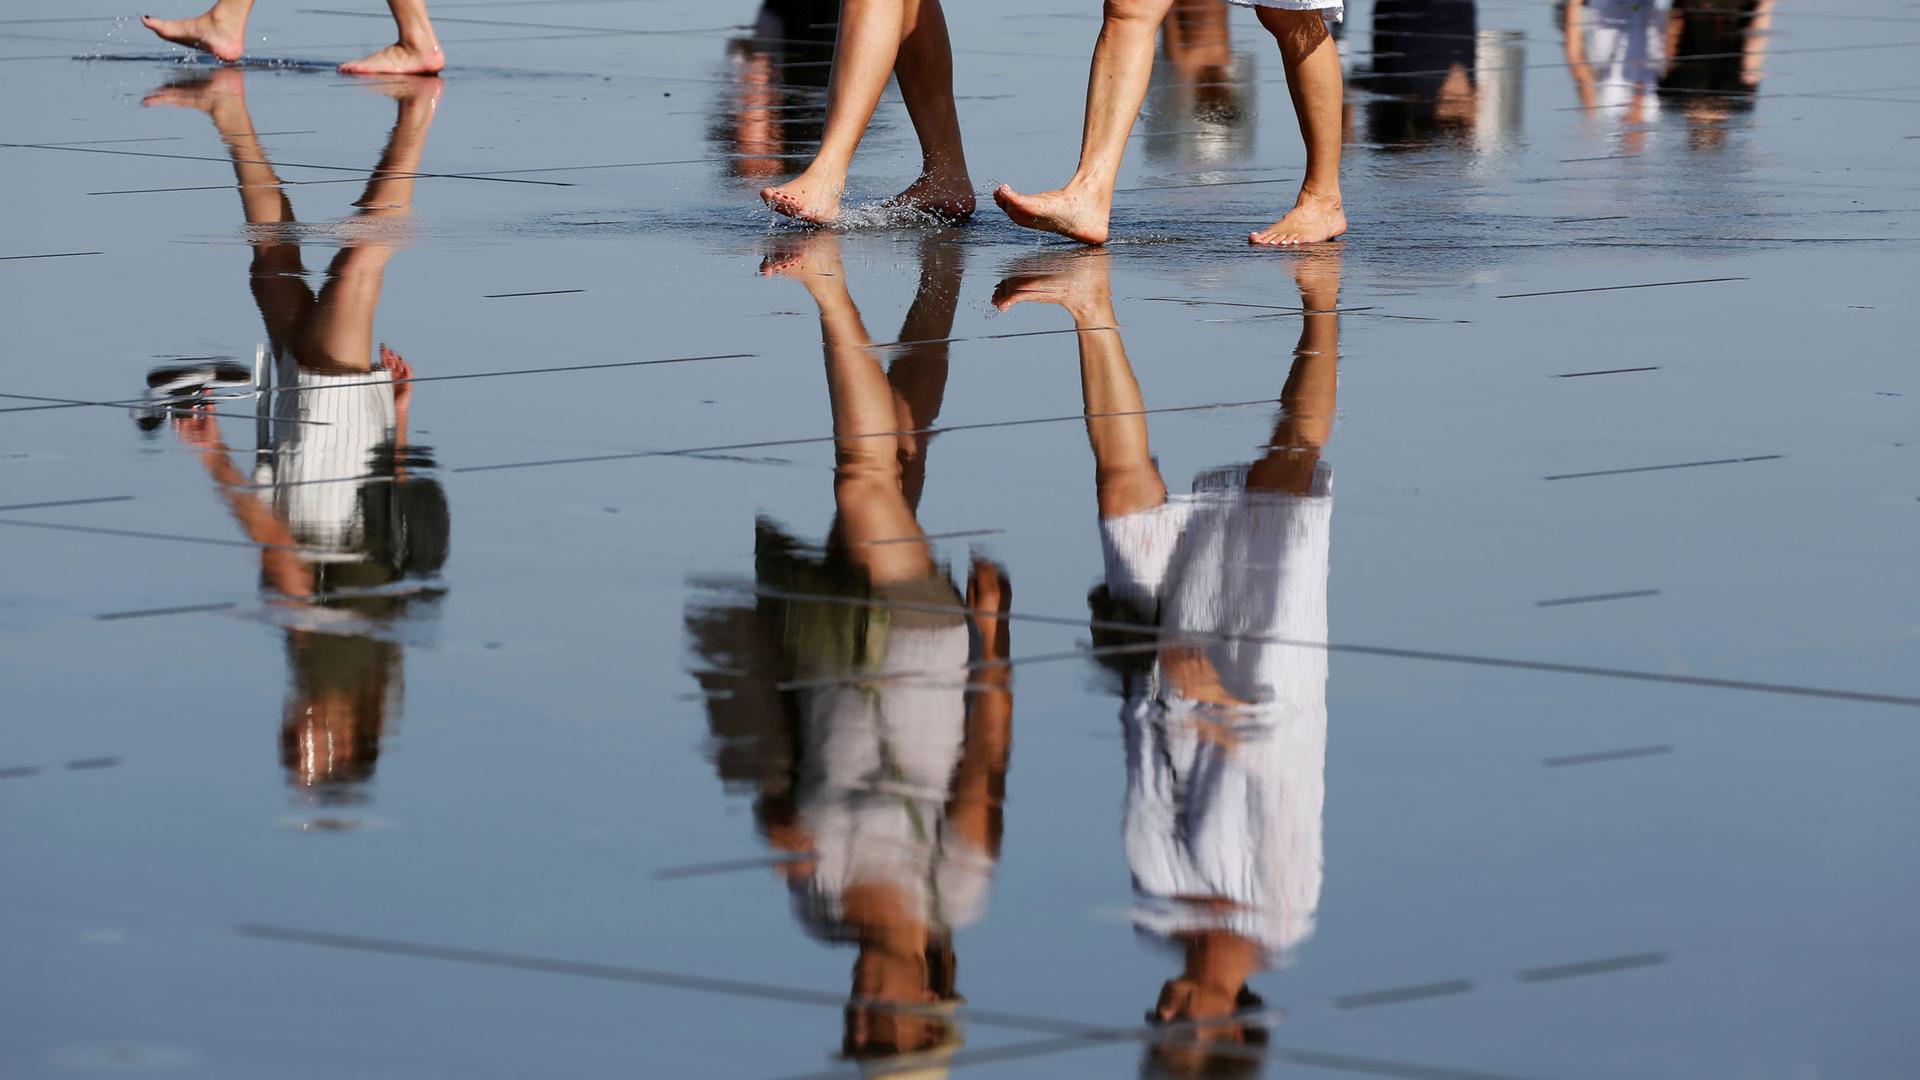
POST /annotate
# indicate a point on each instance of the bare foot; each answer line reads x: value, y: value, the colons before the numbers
x: 1076, y: 215
x: 400, y: 59
x: 809, y: 198
x: 949, y: 199
x: 1314, y: 218
x: 812, y: 255
x: 201, y: 91
x: 225, y: 38
x: 1077, y: 281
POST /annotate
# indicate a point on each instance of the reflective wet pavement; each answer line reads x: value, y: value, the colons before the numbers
x: 564, y: 710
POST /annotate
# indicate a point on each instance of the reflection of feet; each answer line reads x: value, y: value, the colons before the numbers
x: 399, y: 59
x: 1317, y: 274
x: 989, y: 599
x: 1076, y: 215
x: 1074, y: 280
x: 807, y: 198
x: 948, y: 198
x: 1314, y: 218
x: 209, y: 33
x: 806, y: 256
x: 412, y: 90
x: 203, y: 91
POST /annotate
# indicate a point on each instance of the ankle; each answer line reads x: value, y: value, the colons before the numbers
x: 1321, y: 194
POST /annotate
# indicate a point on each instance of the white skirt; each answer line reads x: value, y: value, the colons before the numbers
x: 1332, y: 8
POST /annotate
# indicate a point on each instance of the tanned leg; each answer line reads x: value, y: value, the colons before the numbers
x: 1312, y: 63
x: 417, y: 52
x: 1116, y: 86
x: 863, y: 58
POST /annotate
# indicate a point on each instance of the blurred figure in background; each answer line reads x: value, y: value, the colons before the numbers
x: 1423, y: 73
x: 352, y: 528
x: 1201, y: 103
x: 222, y: 32
x: 861, y: 700
x: 1616, y: 51
x: 772, y: 106
x: 1225, y: 717
x: 1716, y: 50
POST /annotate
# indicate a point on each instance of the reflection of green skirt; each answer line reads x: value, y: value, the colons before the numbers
x: 845, y: 631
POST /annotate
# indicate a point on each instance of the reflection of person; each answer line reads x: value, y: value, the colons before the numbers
x: 1122, y: 64
x: 1615, y: 51
x: 343, y: 518
x: 1423, y: 79
x: 1715, y: 51
x: 908, y: 40
x: 770, y: 103
x: 222, y: 31
x: 847, y: 699
x: 1200, y: 92
x: 1225, y: 719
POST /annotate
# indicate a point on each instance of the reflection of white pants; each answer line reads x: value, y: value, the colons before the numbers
x: 876, y: 770
x: 348, y: 418
x: 1236, y: 819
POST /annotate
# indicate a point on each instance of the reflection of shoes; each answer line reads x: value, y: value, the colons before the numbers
x: 172, y: 386
x: 175, y: 380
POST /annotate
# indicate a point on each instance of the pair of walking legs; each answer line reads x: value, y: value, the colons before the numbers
x: 222, y: 31
x: 905, y: 39
x: 909, y: 39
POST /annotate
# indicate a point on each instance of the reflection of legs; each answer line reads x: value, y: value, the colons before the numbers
x: 1307, y: 400
x: 277, y: 277
x: 867, y: 474
x: 875, y: 36
x: 1125, y: 477
x: 1117, y: 84
x: 1312, y: 62
x: 918, y: 373
x: 338, y: 338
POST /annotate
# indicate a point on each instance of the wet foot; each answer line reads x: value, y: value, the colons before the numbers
x: 204, y: 92
x: 949, y: 200
x: 1075, y: 215
x: 1314, y: 218
x: 224, y: 38
x: 806, y: 198
x: 400, y: 59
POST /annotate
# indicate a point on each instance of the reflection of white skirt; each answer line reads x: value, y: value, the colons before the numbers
x: 1332, y: 8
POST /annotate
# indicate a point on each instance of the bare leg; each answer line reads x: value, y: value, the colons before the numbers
x: 867, y: 491
x: 1312, y: 62
x: 863, y: 58
x: 1116, y: 86
x: 918, y: 370
x: 1307, y: 399
x: 221, y: 31
x: 1126, y: 480
x: 925, y: 73
x: 338, y: 337
x: 417, y: 52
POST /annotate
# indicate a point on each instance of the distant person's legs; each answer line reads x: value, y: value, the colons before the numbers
x: 222, y: 31
x: 875, y: 37
x: 1312, y: 63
